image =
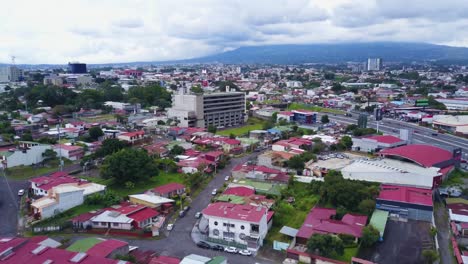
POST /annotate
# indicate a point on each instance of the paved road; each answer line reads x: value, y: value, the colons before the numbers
x: 179, y: 242
x: 9, y: 202
x: 443, y: 231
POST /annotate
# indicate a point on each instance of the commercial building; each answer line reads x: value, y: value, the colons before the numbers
x: 299, y: 116
x: 460, y: 104
x: 374, y: 64
x: 27, y: 153
x: 406, y: 202
x: 376, y: 143
x: 77, y: 68
x: 53, y: 79
x: 202, y: 110
x: 10, y: 74
x: 246, y: 225
x: 454, y: 124
x: 60, y: 199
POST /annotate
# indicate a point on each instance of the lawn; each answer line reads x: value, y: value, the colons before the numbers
x: 27, y: 172
x: 63, y: 217
x: 297, y: 106
x: 141, y: 187
x: 99, y: 118
x: 455, y: 178
x: 264, y: 187
x: 84, y: 244
x: 252, y: 124
x: 349, y: 252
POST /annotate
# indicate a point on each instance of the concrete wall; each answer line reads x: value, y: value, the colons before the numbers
x: 29, y: 157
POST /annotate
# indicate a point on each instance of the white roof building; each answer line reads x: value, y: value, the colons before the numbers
x: 391, y: 171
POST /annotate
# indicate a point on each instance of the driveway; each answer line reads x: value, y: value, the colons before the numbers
x: 9, y: 203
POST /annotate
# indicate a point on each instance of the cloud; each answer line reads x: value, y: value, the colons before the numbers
x: 54, y: 31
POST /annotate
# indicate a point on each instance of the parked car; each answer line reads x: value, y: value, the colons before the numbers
x: 198, y: 215
x: 217, y: 248
x: 170, y: 227
x: 202, y: 244
x: 182, y: 213
x: 231, y: 250
x: 227, y: 178
x: 434, y: 134
x: 245, y: 252
x: 21, y: 192
x: 186, y: 208
x: 214, y: 192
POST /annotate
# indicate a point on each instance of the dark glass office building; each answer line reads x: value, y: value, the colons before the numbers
x: 75, y: 67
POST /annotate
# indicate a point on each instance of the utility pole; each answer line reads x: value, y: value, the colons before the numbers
x: 60, y: 146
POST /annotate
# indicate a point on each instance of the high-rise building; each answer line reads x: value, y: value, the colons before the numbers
x: 374, y: 64
x: 10, y: 74
x: 77, y: 68
x: 202, y: 110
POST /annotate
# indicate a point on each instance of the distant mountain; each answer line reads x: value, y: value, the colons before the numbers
x: 336, y: 53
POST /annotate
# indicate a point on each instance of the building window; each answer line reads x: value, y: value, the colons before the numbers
x: 215, y: 223
x: 242, y: 227
x: 115, y: 224
x: 103, y: 223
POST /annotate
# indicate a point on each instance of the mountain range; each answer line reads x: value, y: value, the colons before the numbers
x: 320, y: 53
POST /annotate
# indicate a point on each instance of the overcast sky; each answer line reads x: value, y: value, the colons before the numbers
x: 95, y: 31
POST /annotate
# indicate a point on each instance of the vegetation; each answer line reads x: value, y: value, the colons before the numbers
x: 325, y: 245
x: 95, y: 133
x: 212, y: 129
x: 110, y: 146
x: 297, y: 106
x: 430, y: 256
x: 325, y: 119
x: 252, y: 124
x: 455, y: 178
x: 129, y: 166
x: 370, y: 236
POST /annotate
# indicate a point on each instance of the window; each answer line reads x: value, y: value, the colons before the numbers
x: 103, y: 223
x: 233, y: 225
x: 215, y: 223
x: 115, y: 224
x: 242, y: 227
x: 224, y: 224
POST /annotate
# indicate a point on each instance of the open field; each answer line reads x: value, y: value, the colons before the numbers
x: 296, y: 106
x: 252, y: 124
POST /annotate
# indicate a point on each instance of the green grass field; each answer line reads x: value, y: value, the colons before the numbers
x: 252, y: 124
x: 27, y: 172
x: 296, y: 106
x: 348, y: 254
x: 99, y: 118
x: 84, y: 244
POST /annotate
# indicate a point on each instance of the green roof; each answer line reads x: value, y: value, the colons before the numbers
x: 217, y: 260
x: 379, y: 220
x: 84, y: 245
x: 231, y: 198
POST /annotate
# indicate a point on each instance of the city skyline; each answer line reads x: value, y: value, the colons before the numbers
x: 126, y: 31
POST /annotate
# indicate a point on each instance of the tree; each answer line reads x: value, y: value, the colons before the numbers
x: 367, y: 206
x: 370, y: 236
x: 110, y: 146
x: 176, y: 150
x: 326, y: 245
x: 26, y: 137
x: 49, y: 154
x: 232, y: 136
x: 274, y: 117
x: 95, y: 133
x: 329, y: 76
x: 212, y: 129
x: 197, y: 89
x: 267, y: 125
x: 347, y: 142
x: 129, y: 165
x: 325, y: 119
x: 296, y: 163
x: 336, y: 87
x: 430, y: 256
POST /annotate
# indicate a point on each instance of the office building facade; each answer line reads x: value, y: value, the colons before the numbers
x: 374, y: 64
x: 202, y: 110
x: 77, y: 68
x: 10, y: 74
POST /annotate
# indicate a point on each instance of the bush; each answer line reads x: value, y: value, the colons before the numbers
x: 104, y: 199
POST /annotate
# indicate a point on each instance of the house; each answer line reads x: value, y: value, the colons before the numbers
x: 157, y: 149
x: 78, y: 125
x: 376, y: 143
x: 169, y: 190
x: 41, y: 249
x: 274, y: 158
x: 60, y: 199
x: 319, y: 221
x: 27, y: 153
x: 150, y: 200
x: 406, y: 202
x: 71, y: 152
x: 125, y: 216
x: 132, y: 137
x: 288, y: 116
x: 259, y: 172
x: 192, y: 165
x: 42, y: 185
x: 244, y: 224
x: 292, y: 144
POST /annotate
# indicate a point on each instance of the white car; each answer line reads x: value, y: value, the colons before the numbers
x: 198, y: 215
x: 245, y: 252
x: 214, y: 192
x: 231, y: 250
x: 21, y: 192
x: 170, y: 227
x: 227, y: 178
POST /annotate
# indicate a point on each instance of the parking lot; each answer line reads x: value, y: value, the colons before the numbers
x: 403, y: 243
x: 334, y: 161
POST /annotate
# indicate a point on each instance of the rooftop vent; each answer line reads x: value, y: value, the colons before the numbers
x: 78, y: 257
x: 39, y: 250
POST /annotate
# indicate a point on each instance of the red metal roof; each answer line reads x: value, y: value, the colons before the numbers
x: 164, y: 260
x: 144, y: 214
x: 55, y: 179
x: 240, y: 212
x: 406, y: 194
x: 239, y: 191
x: 105, y: 248
x: 168, y: 188
x: 132, y: 134
x: 424, y: 155
x: 386, y: 139
x: 319, y: 221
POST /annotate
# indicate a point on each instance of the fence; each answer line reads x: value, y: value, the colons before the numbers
x: 46, y: 229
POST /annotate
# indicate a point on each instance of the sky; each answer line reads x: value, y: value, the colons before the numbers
x: 109, y: 31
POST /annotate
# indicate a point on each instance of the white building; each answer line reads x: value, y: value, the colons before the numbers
x: 27, y: 153
x: 374, y: 64
x: 451, y: 123
x: 391, y: 171
x: 112, y: 219
x: 455, y: 103
x: 244, y: 224
x: 202, y: 110
x: 77, y: 79
x: 376, y: 143
x: 53, y: 79
x: 60, y: 199
x: 10, y: 74
x: 132, y: 137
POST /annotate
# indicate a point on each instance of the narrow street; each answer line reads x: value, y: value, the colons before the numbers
x: 443, y: 231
